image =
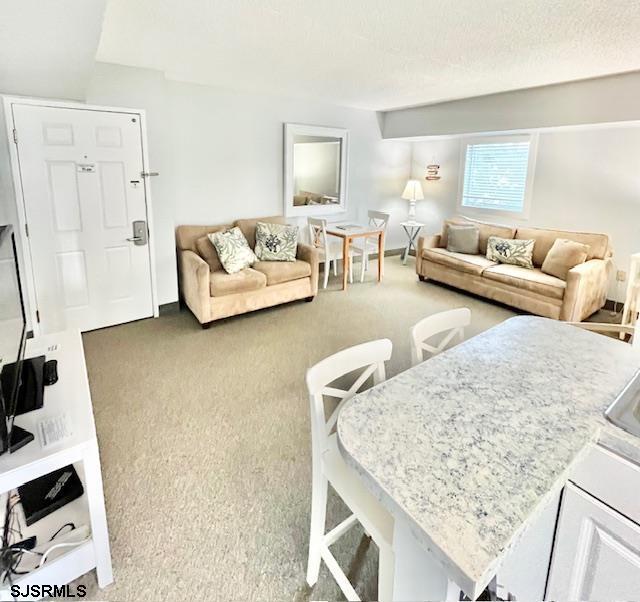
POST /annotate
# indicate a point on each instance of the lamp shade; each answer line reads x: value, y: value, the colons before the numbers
x: 413, y: 191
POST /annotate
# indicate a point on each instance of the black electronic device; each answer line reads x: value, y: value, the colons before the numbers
x: 31, y: 390
x: 13, y: 330
x: 50, y: 373
x: 46, y: 494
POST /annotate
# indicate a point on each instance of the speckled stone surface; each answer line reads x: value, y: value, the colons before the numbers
x: 469, y: 445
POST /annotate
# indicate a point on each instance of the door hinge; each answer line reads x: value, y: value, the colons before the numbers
x: 26, y: 230
x: 38, y: 316
x: 15, y: 135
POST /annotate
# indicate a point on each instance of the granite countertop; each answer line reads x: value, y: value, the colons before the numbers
x: 469, y: 445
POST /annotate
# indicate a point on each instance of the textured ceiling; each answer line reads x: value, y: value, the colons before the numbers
x: 374, y: 54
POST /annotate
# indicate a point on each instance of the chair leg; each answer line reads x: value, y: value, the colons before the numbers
x: 350, y: 263
x: 386, y: 567
x: 316, y: 532
x: 327, y: 267
x: 362, y: 268
x: 335, y: 267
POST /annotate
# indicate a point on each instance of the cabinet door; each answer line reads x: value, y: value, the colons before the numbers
x: 596, y: 554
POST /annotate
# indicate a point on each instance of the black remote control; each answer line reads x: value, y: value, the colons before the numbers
x: 50, y: 372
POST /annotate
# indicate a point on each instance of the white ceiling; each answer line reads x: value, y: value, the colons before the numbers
x: 48, y: 48
x: 374, y: 54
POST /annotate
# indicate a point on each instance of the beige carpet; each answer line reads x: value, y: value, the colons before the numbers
x: 205, y: 444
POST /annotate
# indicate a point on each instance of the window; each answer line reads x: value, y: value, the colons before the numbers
x: 497, y: 174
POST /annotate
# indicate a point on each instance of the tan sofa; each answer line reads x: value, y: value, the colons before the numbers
x: 583, y: 293
x: 212, y: 294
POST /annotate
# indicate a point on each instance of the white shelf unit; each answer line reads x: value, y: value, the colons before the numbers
x: 69, y: 396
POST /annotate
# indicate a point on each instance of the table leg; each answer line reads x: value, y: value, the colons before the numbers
x: 412, y: 235
x: 380, y: 255
x: 345, y: 261
x: 97, y: 515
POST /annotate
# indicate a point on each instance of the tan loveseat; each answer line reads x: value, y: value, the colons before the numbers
x: 583, y: 293
x: 212, y: 294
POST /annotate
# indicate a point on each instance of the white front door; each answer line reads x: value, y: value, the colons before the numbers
x: 83, y: 193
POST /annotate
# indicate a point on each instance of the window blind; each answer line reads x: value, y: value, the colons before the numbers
x: 495, y: 176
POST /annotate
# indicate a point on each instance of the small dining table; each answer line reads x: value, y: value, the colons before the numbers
x: 347, y: 232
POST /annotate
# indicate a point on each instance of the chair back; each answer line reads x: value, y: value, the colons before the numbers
x: 451, y: 323
x: 367, y: 357
x: 317, y: 232
x: 379, y: 219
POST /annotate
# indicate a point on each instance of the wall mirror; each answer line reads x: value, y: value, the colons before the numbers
x: 315, y: 169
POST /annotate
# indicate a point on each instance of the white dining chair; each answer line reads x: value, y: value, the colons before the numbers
x: 363, y: 247
x: 451, y: 323
x: 329, y: 249
x: 329, y: 467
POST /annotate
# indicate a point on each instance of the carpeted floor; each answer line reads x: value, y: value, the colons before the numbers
x: 205, y: 444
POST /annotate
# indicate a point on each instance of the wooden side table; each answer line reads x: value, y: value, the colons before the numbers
x: 411, y: 229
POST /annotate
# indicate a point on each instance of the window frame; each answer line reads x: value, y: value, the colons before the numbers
x: 532, y: 139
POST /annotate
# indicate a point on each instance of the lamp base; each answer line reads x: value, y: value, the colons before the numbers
x: 412, y: 211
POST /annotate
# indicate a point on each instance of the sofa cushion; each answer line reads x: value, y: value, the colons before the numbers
x: 222, y: 284
x: 233, y: 250
x: 248, y: 226
x: 276, y: 242
x: 563, y: 256
x: 208, y: 252
x: 471, y: 264
x: 486, y: 230
x: 533, y: 280
x: 511, y: 251
x: 598, y: 243
x: 283, y: 271
x: 463, y: 239
x: 187, y: 236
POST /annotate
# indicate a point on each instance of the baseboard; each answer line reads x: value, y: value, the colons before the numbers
x: 388, y: 253
x: 169, y: 308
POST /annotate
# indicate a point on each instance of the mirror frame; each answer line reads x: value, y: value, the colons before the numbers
x: 290, y: 130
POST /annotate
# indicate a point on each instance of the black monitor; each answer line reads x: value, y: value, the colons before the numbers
x: 13, y: 332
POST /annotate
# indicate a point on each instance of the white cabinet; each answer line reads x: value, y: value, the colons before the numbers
x: 596, y: 554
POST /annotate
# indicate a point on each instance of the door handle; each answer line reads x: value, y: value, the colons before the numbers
x: 140, y: 233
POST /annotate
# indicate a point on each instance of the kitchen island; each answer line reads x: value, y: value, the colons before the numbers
x: 470, y: 449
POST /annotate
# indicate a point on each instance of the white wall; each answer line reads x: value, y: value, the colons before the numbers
x: 585, y: 179
x: 220, y: 154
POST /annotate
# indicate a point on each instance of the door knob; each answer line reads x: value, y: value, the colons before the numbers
x: 140, y: 233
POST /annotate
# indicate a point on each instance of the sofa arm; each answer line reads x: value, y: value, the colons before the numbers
x: 310, y: 255
x: 586, y: 291
x: 194, y: 285
x: 425, y: 242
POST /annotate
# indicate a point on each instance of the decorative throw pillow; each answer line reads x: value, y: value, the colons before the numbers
x: 233, y: 250
x: 208, y: 252
x: 276, y: 242
x: 463, y: 239
x: 511, y: 250
x: 564, y: 255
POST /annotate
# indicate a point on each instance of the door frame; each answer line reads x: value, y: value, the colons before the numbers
x: 28, y: 277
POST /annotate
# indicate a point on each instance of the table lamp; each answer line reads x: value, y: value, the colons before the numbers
x: 412, y: 193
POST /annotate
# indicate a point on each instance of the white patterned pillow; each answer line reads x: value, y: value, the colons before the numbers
x: 511, y: 250
x: 276, y: 242
x: 233, y: 250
